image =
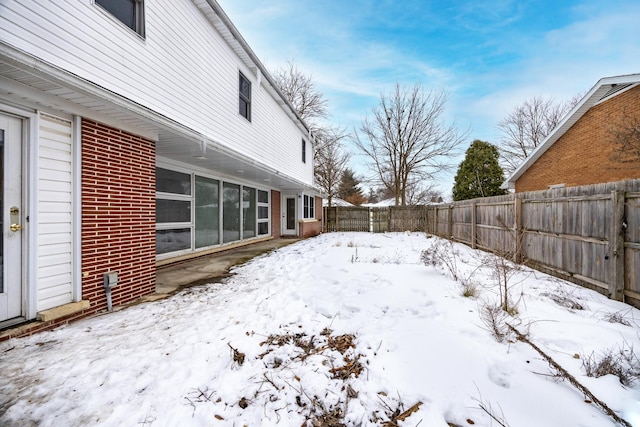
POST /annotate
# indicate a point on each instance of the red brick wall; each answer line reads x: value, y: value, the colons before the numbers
x: 118, y: 214
x: 118, y: 220
x: 276, y: 211
x: 582, y: 156
x: 318, y: 205
x: 309, y: 229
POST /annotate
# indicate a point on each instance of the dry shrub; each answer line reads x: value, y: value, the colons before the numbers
x: 495, y: 319
x: 442, y: 255
x: 563, y: 300
x: 469, y: 290
x: 622, y: 362
x: 618, y: 317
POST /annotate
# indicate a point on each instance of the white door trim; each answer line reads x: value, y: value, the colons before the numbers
x: 12, y: 298
x: 29, y: 119
x: 285, y: 229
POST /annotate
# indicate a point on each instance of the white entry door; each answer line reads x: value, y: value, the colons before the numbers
x: 11, y: 218
x: 289, y: 217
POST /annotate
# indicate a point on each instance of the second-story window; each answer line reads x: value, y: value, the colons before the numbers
x: 244, y: 89
x: 129, y: 12
x: 304, y: 151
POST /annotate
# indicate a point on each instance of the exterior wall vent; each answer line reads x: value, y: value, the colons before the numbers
x: 615, y: 89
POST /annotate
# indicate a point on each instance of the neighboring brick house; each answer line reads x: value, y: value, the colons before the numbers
x: 580, y: 150
x: 132, y: 137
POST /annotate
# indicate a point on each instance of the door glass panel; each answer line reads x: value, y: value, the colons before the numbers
x: 248, y: 212
x: 291, y: 214
x: 207, y: 212
x: 231, y: 212
x: 2, y: 211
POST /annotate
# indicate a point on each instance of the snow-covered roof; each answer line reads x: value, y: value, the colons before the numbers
x: 392, y: 202
x: 605, y: 89
x: 381, y: 203
x: 336, y: 202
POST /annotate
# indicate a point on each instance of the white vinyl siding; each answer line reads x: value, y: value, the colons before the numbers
x: 183, y: 69
x: 54, y: 216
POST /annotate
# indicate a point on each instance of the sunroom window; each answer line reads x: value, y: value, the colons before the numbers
x: 248, y: 212
x: 231, y: 212
x: 173, y: 211
x: 263, y: 212
x: 195, y: 212
x: 207, y: 212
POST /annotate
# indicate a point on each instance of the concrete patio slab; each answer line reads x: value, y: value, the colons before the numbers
x: 209, y: 268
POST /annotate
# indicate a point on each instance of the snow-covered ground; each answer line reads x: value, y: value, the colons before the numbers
x: 344, y: 327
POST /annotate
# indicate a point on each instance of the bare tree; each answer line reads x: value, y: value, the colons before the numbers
x: 407, y: 139
x: 528, y: 125
x: 625, y: 135
x: 302, y: 93
x: 329, y: 157
x: 330, y: 160
x: 422, y: 193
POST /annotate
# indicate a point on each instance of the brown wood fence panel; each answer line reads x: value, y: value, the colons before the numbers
x: 461, y: 226
x: 380, y: 219
x: 496, y: 224
x: 589, y: 234
x: 347, y: 218
x: 632, y: 247
x: 569, y: 235
x: 329, y: 219
x: 441, y: 226
x: 407, y: 218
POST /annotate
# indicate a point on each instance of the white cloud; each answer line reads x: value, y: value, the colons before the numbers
x: 338, y: 44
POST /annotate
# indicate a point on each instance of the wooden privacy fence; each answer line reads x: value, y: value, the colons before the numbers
x: 589, y: 235
x: 374, y: 219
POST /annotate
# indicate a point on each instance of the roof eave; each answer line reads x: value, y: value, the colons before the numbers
x: 591, y: 98
x: 242, y: 43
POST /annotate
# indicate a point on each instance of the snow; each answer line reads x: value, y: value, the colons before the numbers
x: 335, y: 202
x: 417, y: 339
x: 382, y: 203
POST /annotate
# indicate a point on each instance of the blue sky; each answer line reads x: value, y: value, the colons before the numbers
x: 489, y: 56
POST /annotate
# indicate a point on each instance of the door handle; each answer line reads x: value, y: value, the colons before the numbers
x: 14, y: 216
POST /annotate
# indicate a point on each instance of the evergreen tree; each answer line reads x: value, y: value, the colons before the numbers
x: 349, y: 189
x: 479, y: 174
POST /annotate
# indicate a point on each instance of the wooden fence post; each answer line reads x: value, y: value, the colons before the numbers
x: 474, y: 228
x: 325, y: 226
x: 517, y: 233
x: 450, y: 224
x: 434, y: 230
x: 616, y: 246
